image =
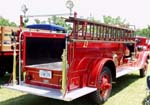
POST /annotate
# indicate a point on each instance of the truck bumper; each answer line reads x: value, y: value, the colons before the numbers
x: 51, y: 93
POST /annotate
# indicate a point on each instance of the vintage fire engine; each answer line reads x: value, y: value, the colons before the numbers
x: 66, y: 66
x: 7, y: 39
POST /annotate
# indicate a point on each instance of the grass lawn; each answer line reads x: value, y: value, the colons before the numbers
x: 128, y: 90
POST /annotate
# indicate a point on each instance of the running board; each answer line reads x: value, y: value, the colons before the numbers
x: 52, y: 93
x: 125, y: 70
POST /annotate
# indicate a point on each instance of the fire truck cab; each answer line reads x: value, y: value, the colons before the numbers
x: 142, y: 43
x: 66, y: 66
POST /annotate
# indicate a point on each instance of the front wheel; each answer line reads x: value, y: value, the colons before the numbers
x: 104, y: 86
x: 144, y: 70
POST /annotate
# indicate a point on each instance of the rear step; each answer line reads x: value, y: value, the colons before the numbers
x: 125, y: 70
x: 52, y: 93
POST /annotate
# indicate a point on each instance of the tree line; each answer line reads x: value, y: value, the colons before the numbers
x: 6, y: 22
x: 144, y: 31
x: 118, y: 21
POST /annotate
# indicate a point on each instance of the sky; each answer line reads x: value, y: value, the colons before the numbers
x: 136, y: 12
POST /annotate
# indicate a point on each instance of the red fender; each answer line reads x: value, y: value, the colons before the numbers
x: 142, y: 57
x: 94, y: 74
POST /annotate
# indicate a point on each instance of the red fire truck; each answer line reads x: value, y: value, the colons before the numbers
x: 66, y: 66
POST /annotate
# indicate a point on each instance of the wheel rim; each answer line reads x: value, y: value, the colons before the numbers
x: 105, y: 86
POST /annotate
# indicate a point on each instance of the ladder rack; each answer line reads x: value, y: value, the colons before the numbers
x: 89, y: 30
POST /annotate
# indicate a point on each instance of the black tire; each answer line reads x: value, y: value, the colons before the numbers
x: 103, y: 91
x: 144, y: 70
x: 148, y: 82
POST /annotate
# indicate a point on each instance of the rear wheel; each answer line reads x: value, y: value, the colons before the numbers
x: 104, y: 86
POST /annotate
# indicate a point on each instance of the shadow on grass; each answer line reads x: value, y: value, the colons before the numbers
x: 37, y: 100
x: 5, y: 79
x: 28, y: 99
x: 146, y: 100
x: 123, y: 82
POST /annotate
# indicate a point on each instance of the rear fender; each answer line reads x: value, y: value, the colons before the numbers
x: 95, y: 71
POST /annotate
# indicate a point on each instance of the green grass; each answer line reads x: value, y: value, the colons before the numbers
x: 128, y: 90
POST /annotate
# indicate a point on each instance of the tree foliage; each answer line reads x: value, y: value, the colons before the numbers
x: 54, y: 20
x: 122, y: 22
x: 37, y: 21
x: 6, y: 22
x: 144, y: 31
x: 118, y: 21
